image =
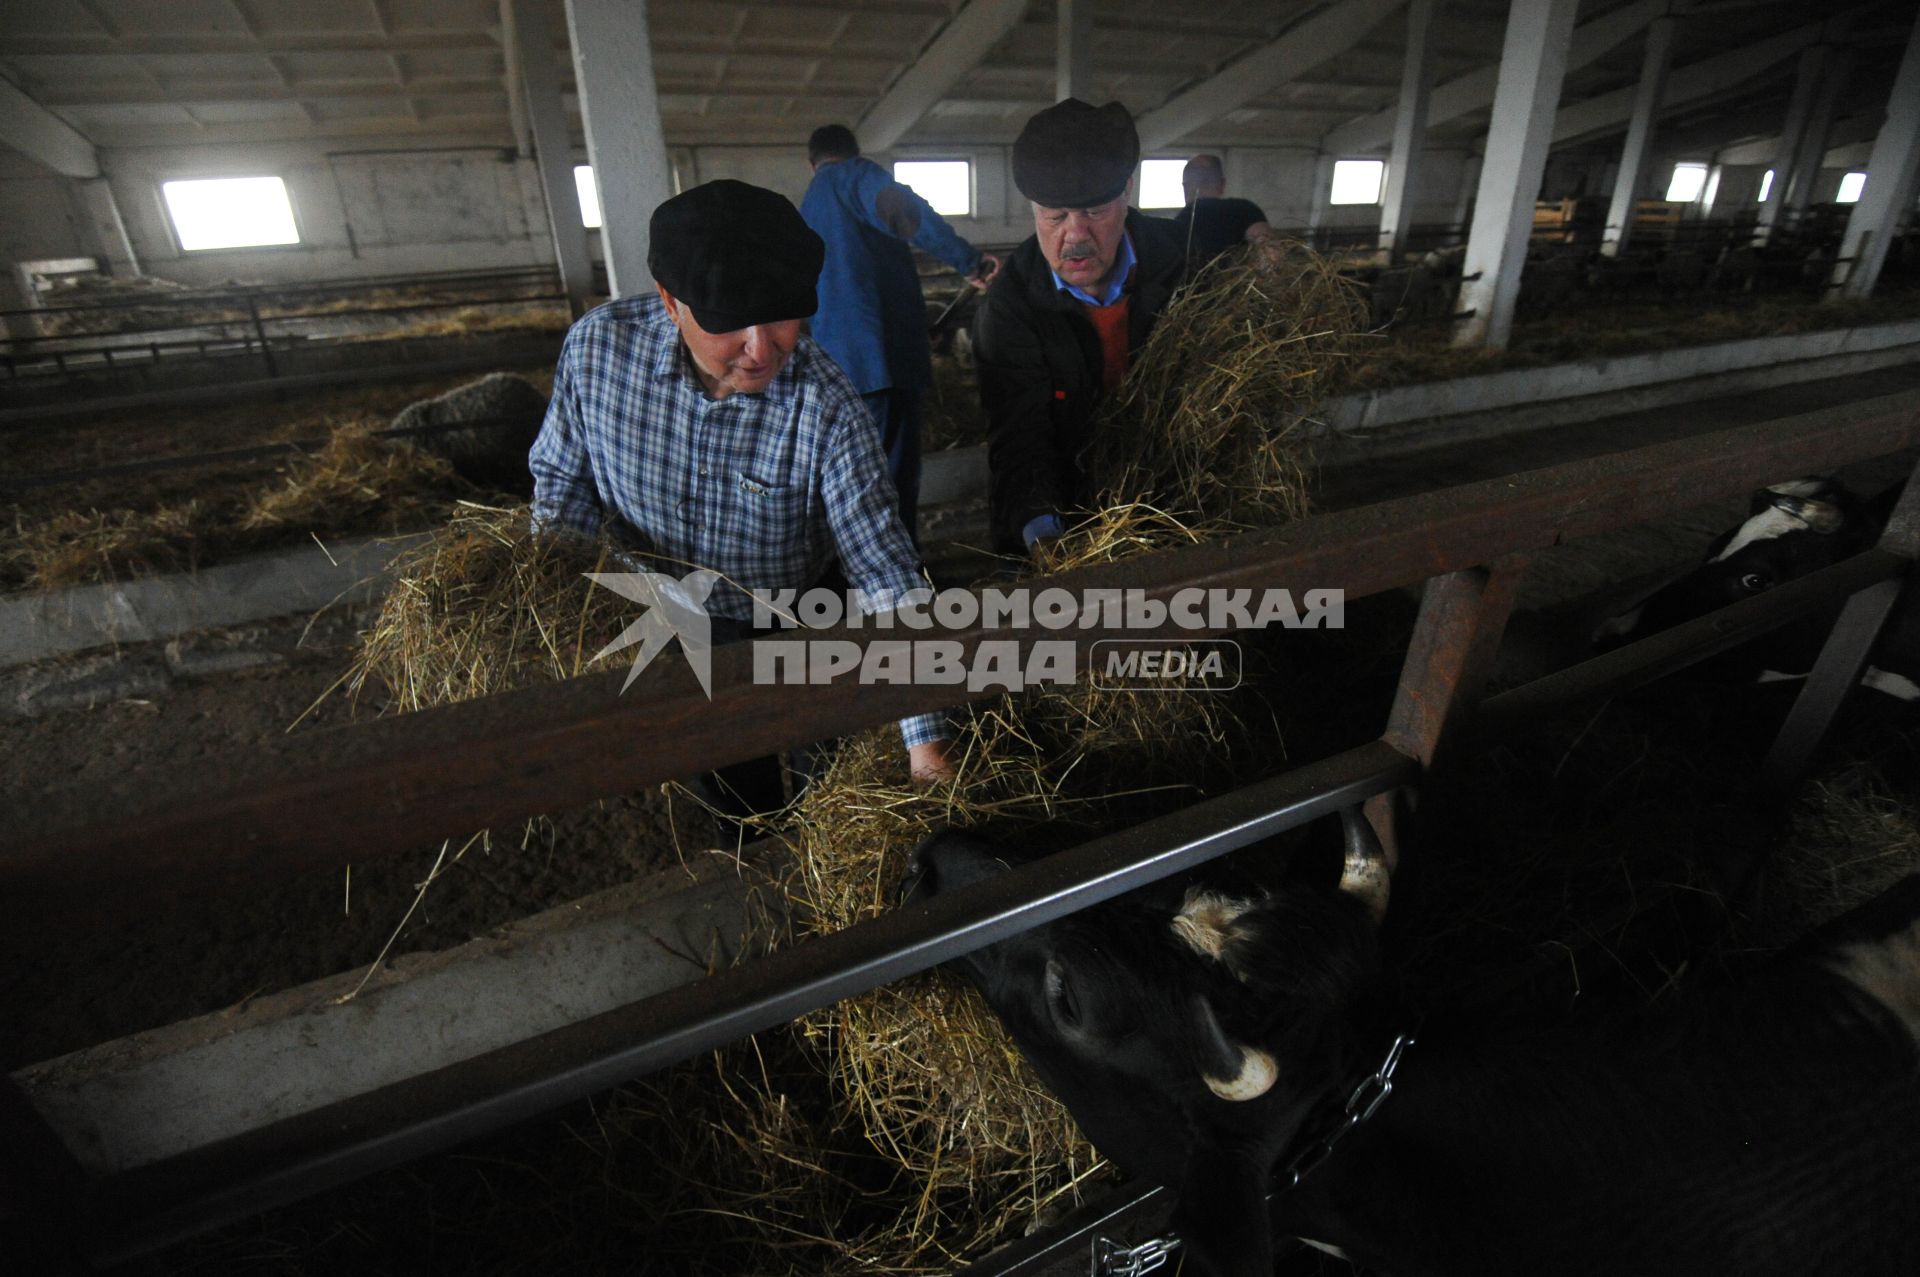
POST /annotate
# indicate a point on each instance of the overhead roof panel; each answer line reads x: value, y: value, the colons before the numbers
x: 306, y: 17
x: 444, y: 15
x: 174, y: 18
x: 52, y: 18
x: 246, y: 112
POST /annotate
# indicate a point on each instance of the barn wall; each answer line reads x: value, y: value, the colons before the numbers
x: 387, y: 212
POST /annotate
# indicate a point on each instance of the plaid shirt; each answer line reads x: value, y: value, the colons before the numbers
x: 766, y: 488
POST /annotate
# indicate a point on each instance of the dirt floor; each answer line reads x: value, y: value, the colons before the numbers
x: 70, y: 985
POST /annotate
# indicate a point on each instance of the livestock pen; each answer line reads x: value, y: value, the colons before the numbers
x: 383, y: 787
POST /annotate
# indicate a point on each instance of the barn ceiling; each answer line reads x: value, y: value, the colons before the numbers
x: 127, y: 73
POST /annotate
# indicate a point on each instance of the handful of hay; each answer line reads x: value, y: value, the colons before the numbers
x: 483, y: 605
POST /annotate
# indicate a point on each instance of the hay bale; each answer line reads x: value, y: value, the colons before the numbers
x: 484, y: 428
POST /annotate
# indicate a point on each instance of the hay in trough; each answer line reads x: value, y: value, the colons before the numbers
x: 78, y: 547
x: 358, y: 481
x: 486, y: 604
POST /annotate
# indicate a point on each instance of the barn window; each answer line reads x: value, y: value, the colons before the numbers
x: 1850, y: 187
x: 1766, y: 187
x: 1687, y: 182
x: 589, y: 195
x: 1357, y: 181
x: 1160, y: 184
x: 947, y: 185
x: 230, y: 212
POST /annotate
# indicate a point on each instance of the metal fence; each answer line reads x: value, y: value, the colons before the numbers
x: 393, y: 784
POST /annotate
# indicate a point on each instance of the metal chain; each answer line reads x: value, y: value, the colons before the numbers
x: 1362, y: 1103
x: 1111, y: 1259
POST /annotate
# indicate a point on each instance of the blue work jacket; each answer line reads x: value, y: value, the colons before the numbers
x: 872, y: 317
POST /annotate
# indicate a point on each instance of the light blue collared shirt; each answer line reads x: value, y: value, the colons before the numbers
x: 1116, y: 282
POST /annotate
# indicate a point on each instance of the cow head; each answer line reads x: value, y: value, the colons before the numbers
x: 1190, y: 1029
x: 1793, y: 529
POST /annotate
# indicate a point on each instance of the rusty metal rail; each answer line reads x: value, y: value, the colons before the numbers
x: 389, y: 785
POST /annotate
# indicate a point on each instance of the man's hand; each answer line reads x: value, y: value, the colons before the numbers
x: 928, y: 763
x: 983, y: 273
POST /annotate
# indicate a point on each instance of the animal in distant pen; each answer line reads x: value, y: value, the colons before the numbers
x: 1793, y: 529
x: 1220, y: 1042
x: 484, y: 428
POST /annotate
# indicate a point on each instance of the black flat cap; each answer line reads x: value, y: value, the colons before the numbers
x: 737, y: 255
x: 1075, y: 155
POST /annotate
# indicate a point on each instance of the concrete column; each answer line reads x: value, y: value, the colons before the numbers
x: 1409, y: 133
x: 516, y: 86
x: 1812, y: 152
x: 553, y: 146
x: 1633, y: 155
x: 106, y: 232
x: 613, y: 71
x: 1533, y: 62
x: 1806, y: 83
x: 1889, y: 191
x: 1469, y: 182
x: 1073, y: 51
x: 1322, y: 191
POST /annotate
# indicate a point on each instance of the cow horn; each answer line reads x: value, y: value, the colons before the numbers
x: 1253, y: 1071
x: 1365, y: 873
x: 1256, y: 1077
x: 1823, y: 517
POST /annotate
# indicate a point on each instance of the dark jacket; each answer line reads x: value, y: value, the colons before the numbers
x: 1039, y: 360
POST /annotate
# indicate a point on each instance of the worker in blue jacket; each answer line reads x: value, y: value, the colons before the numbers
x: 872, y: 317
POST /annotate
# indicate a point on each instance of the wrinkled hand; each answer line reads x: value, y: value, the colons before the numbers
x: 929, y: 765
x: 984, y: 273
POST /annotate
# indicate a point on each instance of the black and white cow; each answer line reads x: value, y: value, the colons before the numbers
x: 1206, y: 1040
x: 1793, y: 529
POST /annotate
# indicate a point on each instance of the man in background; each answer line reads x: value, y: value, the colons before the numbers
x: 1063, y: 320
x: 873, y: 317
x: 1213, y: 222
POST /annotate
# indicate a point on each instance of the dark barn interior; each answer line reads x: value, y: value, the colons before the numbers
x: 360, y: 912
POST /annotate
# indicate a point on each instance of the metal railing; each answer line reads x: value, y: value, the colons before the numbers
x: 390, y: 785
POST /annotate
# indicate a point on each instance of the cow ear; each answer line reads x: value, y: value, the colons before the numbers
x: 1222, y: 1219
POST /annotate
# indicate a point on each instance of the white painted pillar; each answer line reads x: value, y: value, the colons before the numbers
x: 105, y: 230
x: 1073, y: 51
x: 613, y: 71
x: 1806, y: 83
x: 1409, y: 133
x: 1812, y: 153
x: 1889, y: 191
x: 1533, y: 62
x: 516, y: 86
x: 553, y: 145
x: 1322, y: 191
x: 1470, y: 171
x: 1633, y: 155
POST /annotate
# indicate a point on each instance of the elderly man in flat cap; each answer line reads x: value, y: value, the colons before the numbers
x: 1066, y: 313
x: 704, y: 422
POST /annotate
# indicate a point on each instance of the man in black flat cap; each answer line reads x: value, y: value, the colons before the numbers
x: 706, y: 429
x: 1066, y: 313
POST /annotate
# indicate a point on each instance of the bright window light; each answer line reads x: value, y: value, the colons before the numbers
x: 1357, y: 181
x: 1687, y: 182
x: 1850, y: 187
x: 1160, y: 184
x: 230, y: 212
x: 589, y: 195
x: 946, y: 185
x: 1766, y: 187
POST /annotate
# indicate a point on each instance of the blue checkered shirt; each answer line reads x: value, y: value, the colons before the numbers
x: 766, y: 488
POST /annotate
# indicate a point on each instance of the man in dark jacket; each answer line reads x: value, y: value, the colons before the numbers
x: 1067, y: 312
x: 1213, y: 221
